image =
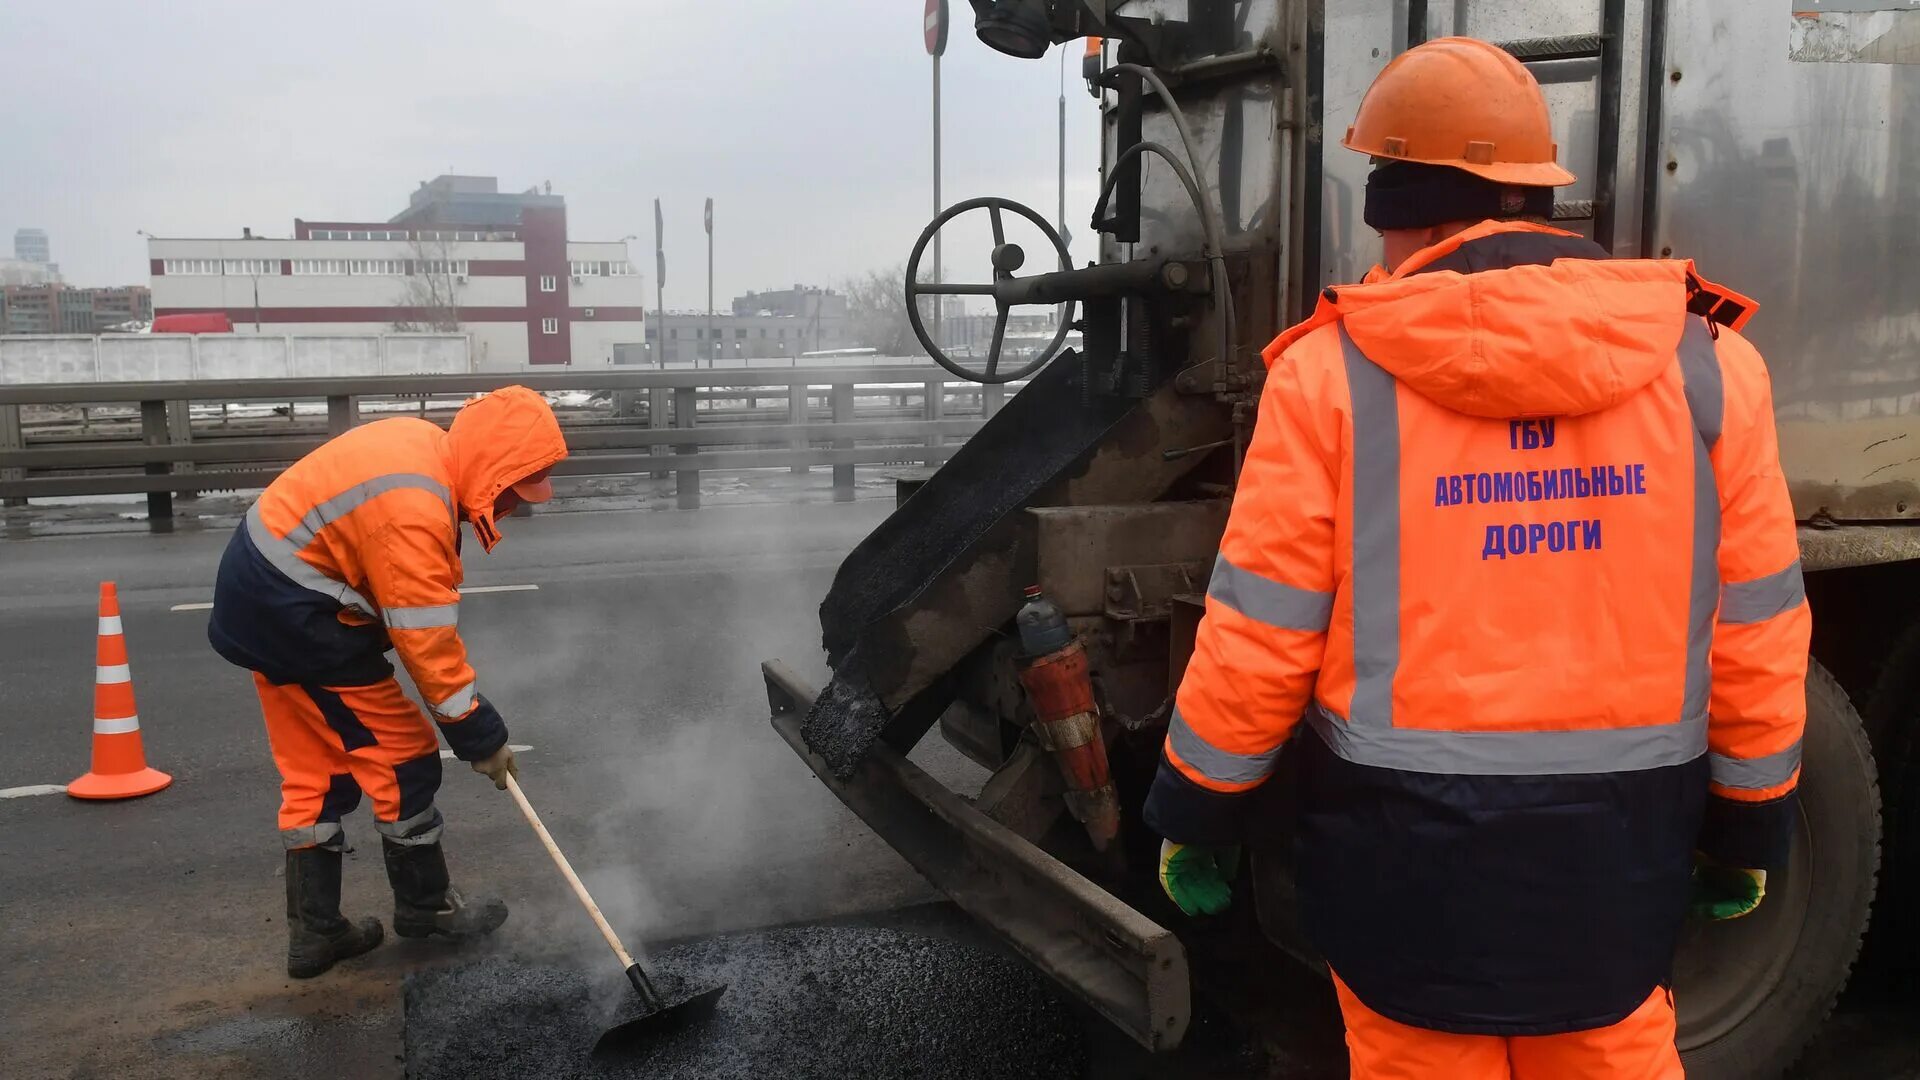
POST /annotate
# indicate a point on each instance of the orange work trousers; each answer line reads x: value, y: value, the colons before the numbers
x: 1640, y: 1047
x: 331, y: 744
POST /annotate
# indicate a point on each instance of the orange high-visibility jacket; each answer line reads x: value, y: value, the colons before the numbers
x: 355, y: 550
x: 1512, y: 539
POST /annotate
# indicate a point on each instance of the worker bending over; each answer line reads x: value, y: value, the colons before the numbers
x: 1512, y: 539
x: 352, y: 552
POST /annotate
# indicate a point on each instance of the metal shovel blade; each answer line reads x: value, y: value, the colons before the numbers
x: 668, y: 1017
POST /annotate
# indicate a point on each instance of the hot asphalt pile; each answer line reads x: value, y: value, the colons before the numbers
x: 819, y: 1001
x: 843, y: 722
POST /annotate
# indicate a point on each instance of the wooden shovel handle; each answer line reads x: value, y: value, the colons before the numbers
x: 566, y: 871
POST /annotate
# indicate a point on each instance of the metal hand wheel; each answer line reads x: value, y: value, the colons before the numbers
x: 1006, y: 259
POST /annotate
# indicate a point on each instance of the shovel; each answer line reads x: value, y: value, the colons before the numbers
x: 659, y: 1016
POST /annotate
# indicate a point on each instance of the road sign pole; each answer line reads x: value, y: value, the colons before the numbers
x: 937, y: 305
x: 933, y: 26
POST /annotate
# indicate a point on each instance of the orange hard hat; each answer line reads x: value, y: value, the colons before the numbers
x: 1462, y: 103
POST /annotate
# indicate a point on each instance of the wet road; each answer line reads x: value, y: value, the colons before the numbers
x: 146, y: 938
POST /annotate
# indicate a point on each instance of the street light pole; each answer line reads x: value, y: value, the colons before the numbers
x: 1066, y: 238
x: 713, y: 346
x: 660, y: 284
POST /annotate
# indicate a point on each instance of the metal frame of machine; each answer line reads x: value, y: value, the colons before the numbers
x: 1227, y: 205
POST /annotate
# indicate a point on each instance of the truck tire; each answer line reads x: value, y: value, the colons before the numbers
x: 1893, y: 723
x: 1752, y: 992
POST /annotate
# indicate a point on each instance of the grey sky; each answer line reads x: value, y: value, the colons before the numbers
x: 808, y: 123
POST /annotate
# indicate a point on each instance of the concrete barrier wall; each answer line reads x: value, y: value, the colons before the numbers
x: 34, y: 359
x: 426, y: 354
x: 140, y: 358
x: 319, y: 357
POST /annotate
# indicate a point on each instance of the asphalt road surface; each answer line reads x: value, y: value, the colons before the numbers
x: 146, y: 938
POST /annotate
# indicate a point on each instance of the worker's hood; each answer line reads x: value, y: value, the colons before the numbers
x: 496, y: 440
x: 1530, y: 332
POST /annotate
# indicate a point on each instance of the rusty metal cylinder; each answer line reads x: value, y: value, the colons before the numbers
x: 1067, y: 723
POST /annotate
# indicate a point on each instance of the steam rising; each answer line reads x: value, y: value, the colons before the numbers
x: 681, y: 809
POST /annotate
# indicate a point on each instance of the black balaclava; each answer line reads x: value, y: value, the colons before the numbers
x: 1409, y: 195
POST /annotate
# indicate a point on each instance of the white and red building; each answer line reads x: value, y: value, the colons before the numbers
x: 498, y: 266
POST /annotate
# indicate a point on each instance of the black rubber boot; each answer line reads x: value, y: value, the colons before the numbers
x: 426, y: 904
x: 317, y: 935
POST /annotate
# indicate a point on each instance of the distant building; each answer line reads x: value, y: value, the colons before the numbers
x: 21, y: 272
x: 120, y: 306
x: 787, y: 322
x: 800, y: 302
x: 964, y: 333
x: 30, y: 309
x: 471, y: 200
x: 62, y: 309
x: 32, y: 246
x: 462, y: 256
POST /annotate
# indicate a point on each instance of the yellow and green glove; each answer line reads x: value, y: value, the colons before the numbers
x: 1199, y: 879
x: 1722, y: 892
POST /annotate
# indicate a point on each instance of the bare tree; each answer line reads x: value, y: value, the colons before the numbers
x: 432, y: 291
x: 877, y: 312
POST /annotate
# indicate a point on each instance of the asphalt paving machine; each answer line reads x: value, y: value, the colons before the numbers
x: 1775, y: 146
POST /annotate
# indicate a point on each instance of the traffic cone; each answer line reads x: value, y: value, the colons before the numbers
x: 119, y: 761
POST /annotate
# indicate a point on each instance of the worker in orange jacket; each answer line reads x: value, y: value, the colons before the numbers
x: 1512, y: 539
x: 352, y: 552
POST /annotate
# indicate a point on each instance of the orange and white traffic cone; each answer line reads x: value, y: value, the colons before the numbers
x: 119, y: 761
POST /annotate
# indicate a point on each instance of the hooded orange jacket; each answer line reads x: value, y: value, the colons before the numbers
x: 356, y: 550
x: 1513, y: 540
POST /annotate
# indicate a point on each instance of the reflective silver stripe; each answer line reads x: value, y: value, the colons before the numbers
x: 1700, y: 372
x: 422, y: 618
x: 284, y: 557
x: 1754, y: 774
x: 456, y: 704
x: 284, y: 553
x: 347, y: 501
x: 325, y: 834
x: 1511, y: 753
x: 1373, y: 739
x: 419, y: 830
x: 1263, y: 599
x: 111, y: 673
x: 1376, y: 535
x: 1222, y: 766
x: 109, y: 624
x: 431, y: 836
x: 1762, y: 598
x: 116, y: 725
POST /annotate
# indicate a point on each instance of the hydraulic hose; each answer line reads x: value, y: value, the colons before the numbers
x: 1209, y: 220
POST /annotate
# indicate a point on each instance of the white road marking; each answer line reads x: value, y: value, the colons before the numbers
x: 469, y: 591
x: 447, y: 755
x: 60, y: 789
x: 32, y: 789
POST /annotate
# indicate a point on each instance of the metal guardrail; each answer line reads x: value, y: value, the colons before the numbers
x: 659, y: 426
